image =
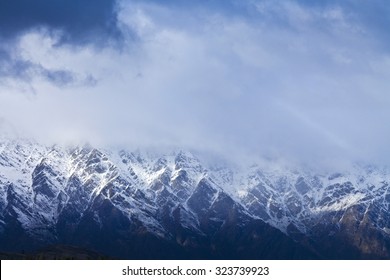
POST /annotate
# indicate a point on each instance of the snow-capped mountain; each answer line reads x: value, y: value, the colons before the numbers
x: 140, y: 204
x: 344, y: 215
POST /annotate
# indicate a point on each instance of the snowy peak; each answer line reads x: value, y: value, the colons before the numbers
x: 61, y: 194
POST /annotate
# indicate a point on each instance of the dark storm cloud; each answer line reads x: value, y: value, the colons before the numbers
x: 76, y: 23
x: 81, y: 21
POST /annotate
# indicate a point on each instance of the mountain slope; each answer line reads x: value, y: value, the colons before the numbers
x: 149, y: 205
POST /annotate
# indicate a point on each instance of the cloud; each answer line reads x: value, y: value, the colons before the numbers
x: 78, y: 22
x: 280, y: 79
x: 71, y: 23
x: 12, y: 68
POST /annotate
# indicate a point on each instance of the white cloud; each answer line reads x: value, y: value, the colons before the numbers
x: 292, y: 81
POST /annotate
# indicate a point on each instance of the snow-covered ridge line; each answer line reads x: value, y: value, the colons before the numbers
x: 40, y: 184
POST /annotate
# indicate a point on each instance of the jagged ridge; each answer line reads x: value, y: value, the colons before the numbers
x: 143, y: 205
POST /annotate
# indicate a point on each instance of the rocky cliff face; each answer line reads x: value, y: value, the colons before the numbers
x: 147, y: 205
x: 345, y: 215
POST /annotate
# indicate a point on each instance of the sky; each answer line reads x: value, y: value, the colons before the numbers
x: 303, y: 80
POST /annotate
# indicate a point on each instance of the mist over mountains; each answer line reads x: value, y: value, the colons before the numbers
x: 135, y: 204
x: 297, y: 80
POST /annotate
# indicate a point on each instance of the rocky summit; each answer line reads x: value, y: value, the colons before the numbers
x: 176, y: 205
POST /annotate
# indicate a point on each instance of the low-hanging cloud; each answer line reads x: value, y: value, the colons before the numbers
x: 280, y: 79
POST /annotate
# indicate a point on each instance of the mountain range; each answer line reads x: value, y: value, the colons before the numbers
x: 177, y: 204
